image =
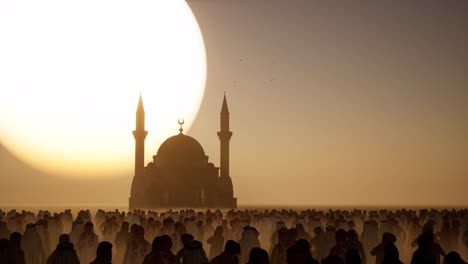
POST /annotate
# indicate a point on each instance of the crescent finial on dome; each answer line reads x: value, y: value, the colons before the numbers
x: 181, y: 122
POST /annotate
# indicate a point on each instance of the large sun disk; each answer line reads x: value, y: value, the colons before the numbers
x: 71, y: 73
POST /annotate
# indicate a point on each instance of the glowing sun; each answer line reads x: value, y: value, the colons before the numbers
x: 71, y: 73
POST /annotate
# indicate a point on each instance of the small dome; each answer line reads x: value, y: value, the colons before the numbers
x: 181, y: 151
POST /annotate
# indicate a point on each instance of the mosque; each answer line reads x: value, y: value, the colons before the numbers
x: 180, y: 175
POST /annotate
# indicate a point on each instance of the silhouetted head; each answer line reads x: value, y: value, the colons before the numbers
x: 133, y: 228
x: 232, y: 247
x: 186, y: 238
x: 341, y: 237
x: 428, y: 227
x: 15, y: 240
x: 258, y: 256
x: 104, y: 252
x: 250, y: 230
x: 64, y: 238
x: 162, y: 243
x: 453, y: 258
x: 300, y: 252
x: 195, y: 244
x: 304, y: 244
x: 388, y: 238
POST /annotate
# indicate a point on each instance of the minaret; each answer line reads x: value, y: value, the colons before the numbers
x: 140, y: 135
x: 224, y: 136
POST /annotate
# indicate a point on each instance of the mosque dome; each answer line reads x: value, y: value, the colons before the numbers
x: 181, y: 151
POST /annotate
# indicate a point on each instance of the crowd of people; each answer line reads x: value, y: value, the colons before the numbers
x: 235, y: 237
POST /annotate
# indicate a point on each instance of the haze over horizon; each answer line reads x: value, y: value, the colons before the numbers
x: 331, y: 104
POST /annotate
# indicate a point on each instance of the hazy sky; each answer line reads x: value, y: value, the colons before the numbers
x: 332, y: 103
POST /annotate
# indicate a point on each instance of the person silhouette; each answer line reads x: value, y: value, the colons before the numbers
x: 301, y: 233
x: 194, y: 253
x: 15, y: 253
x: 42, y: 228
x: 453, y: 258
x: 236, y: 229
x: 32, y: 245
x: 151, y: 230
x: 354, y: 243
x: 120, y: 242
x: 64, y: 253
x: 299, y: 253
x: 341, y: 243
x: 161, y: 251
x: 330, y: 239
x: 208, y: 229
x: 391, y: 254
x: 248, y: 241
x: 200, y: 234
x: 179, y: 230
x: 274, y: 235
x: 216, y: 241
x: 428, y: 252
x: 226, y: 229
x: 185, y: 239
x: 230, y: 255
x: 54, y: 229
x: 87, y: 244
x: 369, y: 237
x: 318, y: 244
x: 279, y: 252
x: 77, y: 231
x: 168, y: 226
x: 103, y: 253
x: 137, y: 246
x: 379, y: 250
x: 258, y: 256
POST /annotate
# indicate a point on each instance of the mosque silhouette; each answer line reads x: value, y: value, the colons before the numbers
x: 180, y: 175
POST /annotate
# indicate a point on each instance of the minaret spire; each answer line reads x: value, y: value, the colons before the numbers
x: 224, y: 137
x: 224, y: 108
x: 140, y: 135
